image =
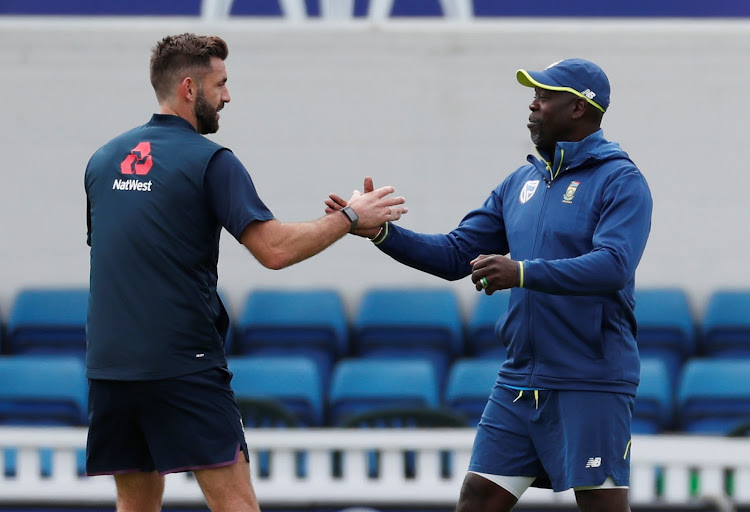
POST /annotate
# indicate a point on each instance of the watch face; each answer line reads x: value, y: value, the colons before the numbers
x: 351, y: 215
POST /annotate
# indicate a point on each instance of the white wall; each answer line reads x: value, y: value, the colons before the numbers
x: 431, y: 108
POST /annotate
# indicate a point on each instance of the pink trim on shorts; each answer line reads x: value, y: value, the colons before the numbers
x: 210, y: 466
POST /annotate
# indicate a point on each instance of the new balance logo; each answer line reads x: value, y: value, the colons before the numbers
x: 594, y: 462
x: 589, y: 94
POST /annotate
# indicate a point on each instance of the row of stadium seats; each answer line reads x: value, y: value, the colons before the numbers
x: 713, y: 396
x: 421, y: 323
x: 392, y: 322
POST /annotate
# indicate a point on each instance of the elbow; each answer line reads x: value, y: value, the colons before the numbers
x: 274, y: 259
x: 275, y: 263
x: 455, y: 274
x: 618, y: 278
x: 452, y: 277
x: 617, y: 273
x: 621, y: 282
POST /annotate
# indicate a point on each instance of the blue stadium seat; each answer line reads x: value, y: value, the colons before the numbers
x: 292, y: 381
x: 480, y: 332
x: 296, y: 323
x: 43, y: 390
x: 3, y: 348
x: 654, y: 402
x: 714, y: 395
x: 470, y: 383
x: 48, y: 321
x: 726, y: 324
x: 231, y: 334
x: 666, y: 327
x: 421, y: 323
x: 362, y: 385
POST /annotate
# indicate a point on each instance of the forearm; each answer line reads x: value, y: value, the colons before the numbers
x: 277, y: 245
x: 618, y: 244
x: 439, y: 255
x: 594, y: 273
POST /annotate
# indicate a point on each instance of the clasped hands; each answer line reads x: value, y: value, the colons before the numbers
x: 490, y: 272
x: 372, y: 206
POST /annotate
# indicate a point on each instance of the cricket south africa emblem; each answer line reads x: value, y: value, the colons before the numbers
x: 528, y: 190
x: 568, y: 197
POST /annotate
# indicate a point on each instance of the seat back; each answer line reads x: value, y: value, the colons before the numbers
x: 405, y: 417
x: 666, y: 327
x: 362, y: 385
x: 265, y: 413
x: 481, y: 339
x: 469, y: 385
x: 308, y: 323
x: 654, y: 403
x: 725, y: 328
x: 292, y: 382
x: 714, y: 395
x: 43, y: 390
x: 48, y: 321
x: 422, y: 323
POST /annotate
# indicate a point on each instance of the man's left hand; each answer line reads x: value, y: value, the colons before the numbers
x: 493, y: 272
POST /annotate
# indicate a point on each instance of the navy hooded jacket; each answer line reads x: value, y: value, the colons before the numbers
x: 579, y: 225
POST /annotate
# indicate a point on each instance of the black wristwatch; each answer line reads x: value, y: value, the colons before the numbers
x: 351, y: 215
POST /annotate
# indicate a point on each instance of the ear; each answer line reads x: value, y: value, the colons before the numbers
x: 188, y: 89
x: 579, y: 108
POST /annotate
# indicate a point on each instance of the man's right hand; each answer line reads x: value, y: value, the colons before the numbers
x: 369, y: 207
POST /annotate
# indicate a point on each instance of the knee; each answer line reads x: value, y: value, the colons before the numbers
x: 479, y: 495
x: 139, y: 492
x: 603, y: 500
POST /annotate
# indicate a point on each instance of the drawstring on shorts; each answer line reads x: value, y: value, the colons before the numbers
x: 536, y: 397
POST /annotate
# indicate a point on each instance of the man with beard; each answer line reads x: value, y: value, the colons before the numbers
x: 575, y: 223
x: 158, y: 196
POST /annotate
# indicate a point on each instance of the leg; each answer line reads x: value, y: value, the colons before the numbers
x: 603, y: 500
x: 139, y: 492
x: 481, y: 495
x: 228, y: 488
x: 193, y: 423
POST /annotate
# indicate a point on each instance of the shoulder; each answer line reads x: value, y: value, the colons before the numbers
x: 623, y: 168
x: 224, y: 160
x: 522, y: 175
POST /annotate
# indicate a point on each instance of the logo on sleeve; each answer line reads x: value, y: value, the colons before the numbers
x: 138, y: 162
x: 570, y: 192
x: 528, y: 190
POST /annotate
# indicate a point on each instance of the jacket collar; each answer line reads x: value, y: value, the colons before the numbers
x: 569, y: 155
x: 171, y: 120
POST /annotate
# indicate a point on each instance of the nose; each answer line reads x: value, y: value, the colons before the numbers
x: 225, y: 97
x: 534, y: 105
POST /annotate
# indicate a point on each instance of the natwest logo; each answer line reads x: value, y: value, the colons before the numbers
x: 132, y: 184
x: 139, y: 160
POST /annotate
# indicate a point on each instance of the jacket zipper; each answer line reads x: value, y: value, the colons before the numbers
x: 530, y: 323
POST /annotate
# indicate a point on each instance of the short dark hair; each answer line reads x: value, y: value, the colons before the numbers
x: 176, y: 57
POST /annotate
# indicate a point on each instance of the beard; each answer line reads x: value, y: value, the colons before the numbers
x: 205, y: 115
x: 536, y: 133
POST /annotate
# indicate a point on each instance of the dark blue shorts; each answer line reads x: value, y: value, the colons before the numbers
x: 171, y: 425
x: 567, y: 439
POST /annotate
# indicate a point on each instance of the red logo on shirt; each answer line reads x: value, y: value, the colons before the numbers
x: 138, y: 161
